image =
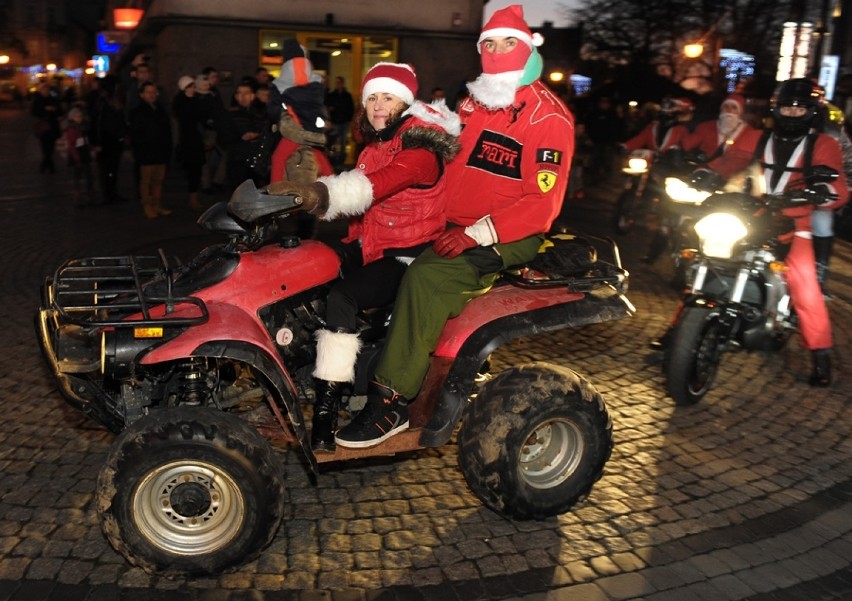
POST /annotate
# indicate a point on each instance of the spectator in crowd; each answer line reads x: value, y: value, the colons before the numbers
x: 109, y: 131
x: 341, y: 110
x: 190, y: 118
x: 397, y: 197
x: 47, y: 112
x: 604, y: 127
x: 214, y: 171
x: 151, y: 137
x: 80, y: 157
x: 247, y: 123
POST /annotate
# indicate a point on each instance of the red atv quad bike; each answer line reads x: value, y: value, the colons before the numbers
x: 203, y: 367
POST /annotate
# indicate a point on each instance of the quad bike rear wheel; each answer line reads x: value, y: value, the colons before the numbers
x: 534, y: 441
x: 190, y: 491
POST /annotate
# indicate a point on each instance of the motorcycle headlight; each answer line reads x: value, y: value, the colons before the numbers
x: 718, y: 233
x: 679, y: 191
x: 636, y: 165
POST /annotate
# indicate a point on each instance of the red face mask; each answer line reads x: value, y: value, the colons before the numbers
x: 515, y: 60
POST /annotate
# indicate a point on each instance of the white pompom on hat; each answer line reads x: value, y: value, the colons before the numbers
x: 509, y: 23
x: 398, y: 79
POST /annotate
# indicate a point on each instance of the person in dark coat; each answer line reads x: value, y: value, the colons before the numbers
x: 151, y: 135
x: 190, y: 118
x: 247, y: 123
x: 47, y: 110
x: 108, y: 135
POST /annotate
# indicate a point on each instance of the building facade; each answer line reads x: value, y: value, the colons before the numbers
x: 344, y: 38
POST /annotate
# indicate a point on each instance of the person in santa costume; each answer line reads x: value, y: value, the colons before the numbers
x: 396, y: 197
x: 505, y: 189
x: 786, y: 154
x: 713, y: 137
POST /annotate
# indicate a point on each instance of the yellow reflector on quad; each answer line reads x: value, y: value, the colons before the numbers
x: 147, y: 332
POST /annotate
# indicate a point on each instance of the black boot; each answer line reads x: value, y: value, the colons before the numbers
x: 821, y: 376
x: 660, y: 343
x: 823, y: 246
x: 658, y: 245
x: 325, y: 415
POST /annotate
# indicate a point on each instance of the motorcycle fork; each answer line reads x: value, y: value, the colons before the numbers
x: 730, y: 315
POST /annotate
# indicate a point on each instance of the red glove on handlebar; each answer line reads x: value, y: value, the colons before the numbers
x: 453, y: 242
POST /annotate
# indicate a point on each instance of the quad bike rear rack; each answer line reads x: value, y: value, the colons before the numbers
x: 118, y: 292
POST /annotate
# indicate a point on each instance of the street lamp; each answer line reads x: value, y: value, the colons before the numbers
x: 694, y: 50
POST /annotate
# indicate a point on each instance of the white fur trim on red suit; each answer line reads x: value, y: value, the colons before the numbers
x: 336, y: 354
x: 349, y: 193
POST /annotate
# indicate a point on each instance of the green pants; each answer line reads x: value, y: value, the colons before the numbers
x: 433, y: 290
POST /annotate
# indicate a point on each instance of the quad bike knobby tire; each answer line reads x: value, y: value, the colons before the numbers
x: 534, y: 441
x: 190, y: 491
x: 692, y: 358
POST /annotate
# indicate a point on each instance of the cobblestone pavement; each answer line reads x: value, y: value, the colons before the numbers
x: 745, y: 496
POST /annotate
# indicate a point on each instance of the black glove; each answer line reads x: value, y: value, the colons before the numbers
x: 706, y: 180
x: 821, y: 194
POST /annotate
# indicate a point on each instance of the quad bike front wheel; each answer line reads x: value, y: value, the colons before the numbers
x: 534, y: 441
x: 190, y: 491
x: 692, y: 358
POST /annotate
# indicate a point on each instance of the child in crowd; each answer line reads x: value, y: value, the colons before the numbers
x: 80, y: 157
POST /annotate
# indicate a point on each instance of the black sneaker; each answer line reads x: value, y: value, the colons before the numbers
x: 381, y: 418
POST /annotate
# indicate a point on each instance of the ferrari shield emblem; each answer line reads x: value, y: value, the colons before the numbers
x: 546, y: 180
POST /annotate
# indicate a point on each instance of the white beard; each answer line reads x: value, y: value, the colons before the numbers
x: 495, y: 90
x: 727, y: 124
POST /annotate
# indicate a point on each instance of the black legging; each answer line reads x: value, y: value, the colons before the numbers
x: 362, y: 286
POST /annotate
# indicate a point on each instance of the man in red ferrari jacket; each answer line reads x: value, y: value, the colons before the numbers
x: 505, y: 189
x: 786, y: 155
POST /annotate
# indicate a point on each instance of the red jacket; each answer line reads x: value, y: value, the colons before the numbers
x: 647, y: 138
x: 409, y: 197
x: 706, y: 138
x: 514, y: 164
x: 826, y: 152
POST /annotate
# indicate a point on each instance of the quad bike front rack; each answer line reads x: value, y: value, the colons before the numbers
x: 116, y: 292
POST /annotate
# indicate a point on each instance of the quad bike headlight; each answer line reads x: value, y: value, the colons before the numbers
x: 718, y: 233
x: 120, y: 350
x: 679, y: 191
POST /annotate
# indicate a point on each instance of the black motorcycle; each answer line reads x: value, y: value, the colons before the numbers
x: 738, y: 298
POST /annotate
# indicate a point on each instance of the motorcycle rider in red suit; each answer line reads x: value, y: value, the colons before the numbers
x: 712, y: 138
x: 783, y: 158
x: 396, y: 197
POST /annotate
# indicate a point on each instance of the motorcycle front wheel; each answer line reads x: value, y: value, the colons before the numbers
x: 692, y: 358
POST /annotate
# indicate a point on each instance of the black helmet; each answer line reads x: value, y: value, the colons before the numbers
x: 795, y: 92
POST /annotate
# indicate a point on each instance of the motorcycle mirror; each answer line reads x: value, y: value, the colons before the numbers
x: 250, y: 204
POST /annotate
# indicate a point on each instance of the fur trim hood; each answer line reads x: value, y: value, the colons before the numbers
x: 438, y: 129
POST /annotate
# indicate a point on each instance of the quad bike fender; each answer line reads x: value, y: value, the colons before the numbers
x: 505, y: 317
x: 235, y: 334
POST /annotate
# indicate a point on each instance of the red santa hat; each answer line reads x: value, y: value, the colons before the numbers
x: 509, y: 23
x: 398, y: 79
x: 737, y: 100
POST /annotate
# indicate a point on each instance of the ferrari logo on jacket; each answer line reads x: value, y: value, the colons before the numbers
x: 546, y: 180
